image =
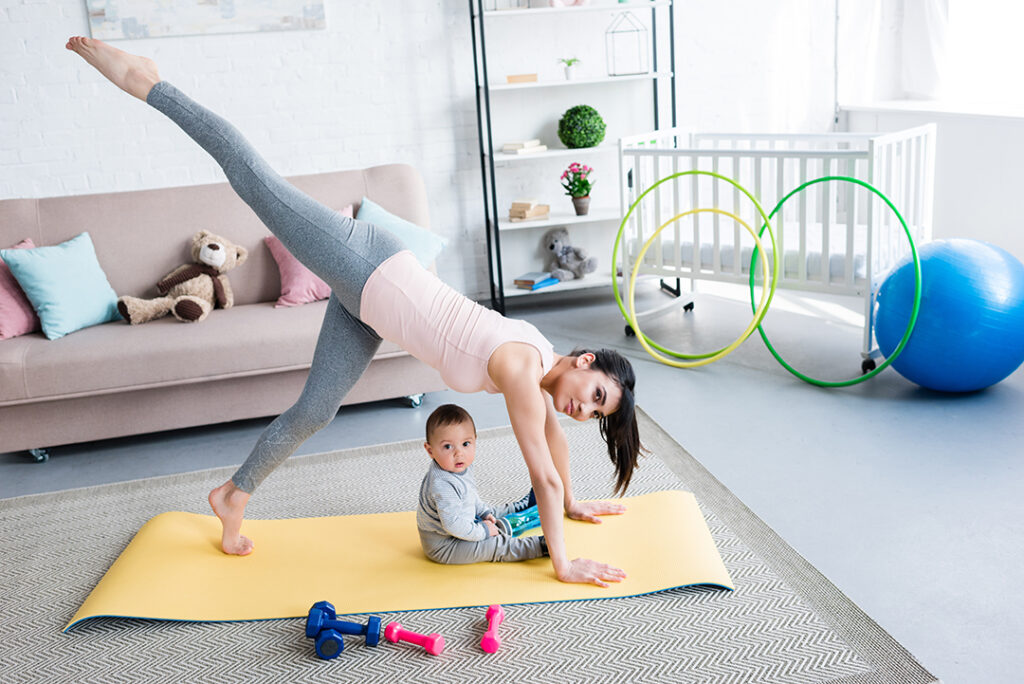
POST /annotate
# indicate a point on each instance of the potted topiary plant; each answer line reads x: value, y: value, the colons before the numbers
x: 581, y: 126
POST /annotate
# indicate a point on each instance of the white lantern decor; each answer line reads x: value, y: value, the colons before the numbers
x: 626, y: 46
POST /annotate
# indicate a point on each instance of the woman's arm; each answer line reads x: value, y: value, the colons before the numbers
x: 559, y: 447
x: 517, y: 375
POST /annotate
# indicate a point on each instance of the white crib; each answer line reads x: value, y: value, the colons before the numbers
x: 833, y: 237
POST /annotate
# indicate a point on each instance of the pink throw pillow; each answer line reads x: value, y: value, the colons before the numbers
x: 299, y: 285
x: 17, y: 317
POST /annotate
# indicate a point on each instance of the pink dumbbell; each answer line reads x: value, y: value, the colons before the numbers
x: 433, y: 643
x: 491, y: 640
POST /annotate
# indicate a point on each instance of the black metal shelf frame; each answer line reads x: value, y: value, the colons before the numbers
x: 483, y: 116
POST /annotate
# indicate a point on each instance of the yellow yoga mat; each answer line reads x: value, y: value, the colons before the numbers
x: 174, y: 569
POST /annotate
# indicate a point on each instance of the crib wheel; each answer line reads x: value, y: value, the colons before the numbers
x: 629, y: 331
x: 688, y: 307
x: 866, y: 366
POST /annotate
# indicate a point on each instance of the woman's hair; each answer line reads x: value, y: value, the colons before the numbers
x: 618, y: 429
x: 448, y: 414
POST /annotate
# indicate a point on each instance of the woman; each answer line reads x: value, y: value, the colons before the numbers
x: 380, y: 290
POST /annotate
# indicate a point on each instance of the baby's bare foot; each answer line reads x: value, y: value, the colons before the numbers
x: 131, y: 73
x: 228, y: 502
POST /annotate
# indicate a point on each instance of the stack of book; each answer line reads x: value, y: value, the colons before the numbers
x: 535, y: 280
x: 528, y: 210
x: 524, y: 147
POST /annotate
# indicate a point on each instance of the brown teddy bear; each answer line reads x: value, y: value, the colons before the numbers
x: 191, y: 291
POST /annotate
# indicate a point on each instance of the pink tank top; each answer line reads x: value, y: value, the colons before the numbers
x: 410, y: 306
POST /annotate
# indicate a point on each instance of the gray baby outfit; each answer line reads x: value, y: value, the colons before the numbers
x: 448, y: 518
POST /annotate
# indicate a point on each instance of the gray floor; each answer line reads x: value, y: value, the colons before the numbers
x: 908, y: 500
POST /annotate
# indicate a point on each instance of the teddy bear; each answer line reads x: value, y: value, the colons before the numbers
x: 191, y: 291
x: 567, y: 262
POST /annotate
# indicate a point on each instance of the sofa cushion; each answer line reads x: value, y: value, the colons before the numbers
x: 66, y: 285
x: 244, y: 340
x: 17, y: 317
x: 424, y: 244
x: 299, y: 285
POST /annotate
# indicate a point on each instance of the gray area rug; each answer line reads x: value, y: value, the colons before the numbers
x: 784, y: 623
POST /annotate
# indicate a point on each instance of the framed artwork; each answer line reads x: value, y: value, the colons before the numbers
x: 129, y: 19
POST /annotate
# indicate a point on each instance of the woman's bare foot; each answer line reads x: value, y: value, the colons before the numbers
x: 228, y: 502
x: 131, y: 73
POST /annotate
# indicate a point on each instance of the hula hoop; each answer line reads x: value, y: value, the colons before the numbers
x: 759, y: 311
x: 618, y: 239
x: 917, y: 290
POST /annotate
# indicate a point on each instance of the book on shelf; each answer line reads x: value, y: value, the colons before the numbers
x: 540, y: 211
x: 521, y: 78
x: 535, y: 149
x: 523, y: 204
x: 536, y: 210
x: 519, y: 145
x: 547, y: 282
x: 532, y: 277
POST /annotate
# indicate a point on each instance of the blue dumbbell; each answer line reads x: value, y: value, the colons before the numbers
x: 322, y: 625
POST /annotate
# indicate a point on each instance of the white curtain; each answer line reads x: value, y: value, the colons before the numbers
x: 925, y: 34
x: 890, y: 49
x: 865, y: 53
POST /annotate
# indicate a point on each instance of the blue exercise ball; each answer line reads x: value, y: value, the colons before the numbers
x: 970, y: 327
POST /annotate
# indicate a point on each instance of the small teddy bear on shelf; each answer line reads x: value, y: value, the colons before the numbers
x: 191, y: 291
x: 567, y: 262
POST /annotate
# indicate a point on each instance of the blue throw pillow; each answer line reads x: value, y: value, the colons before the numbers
x: 65, y: 285
x: 424, y: 244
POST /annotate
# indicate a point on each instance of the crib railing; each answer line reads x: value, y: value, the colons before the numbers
x: 832, y: 237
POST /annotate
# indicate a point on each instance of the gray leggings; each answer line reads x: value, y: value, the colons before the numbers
x: 342, y: 251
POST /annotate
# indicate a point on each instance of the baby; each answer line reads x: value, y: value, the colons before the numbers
x: 455, y: 525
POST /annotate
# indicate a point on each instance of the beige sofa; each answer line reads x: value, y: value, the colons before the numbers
x: 248, y: 361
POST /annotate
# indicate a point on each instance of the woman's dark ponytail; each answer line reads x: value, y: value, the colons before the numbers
x: 619, y: 430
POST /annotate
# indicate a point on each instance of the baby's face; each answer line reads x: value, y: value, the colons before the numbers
x: 453, y: 447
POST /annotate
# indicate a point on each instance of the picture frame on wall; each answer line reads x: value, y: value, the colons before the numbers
x: 128, y: 19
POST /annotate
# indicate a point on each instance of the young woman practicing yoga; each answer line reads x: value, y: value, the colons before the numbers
x: 379, y: 290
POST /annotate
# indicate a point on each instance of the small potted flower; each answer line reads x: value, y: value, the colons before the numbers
x: 570, y: 66
x: 577, y: 184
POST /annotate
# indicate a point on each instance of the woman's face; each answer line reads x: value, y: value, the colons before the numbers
x: 582, y: 393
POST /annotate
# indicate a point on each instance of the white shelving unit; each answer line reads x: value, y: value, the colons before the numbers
x: 493, y: 95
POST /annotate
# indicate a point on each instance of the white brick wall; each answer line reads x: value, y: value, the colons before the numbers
x: 388, y: 81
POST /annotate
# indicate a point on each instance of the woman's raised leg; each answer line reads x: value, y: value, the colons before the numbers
x: 342, y: 251
x: 344, y: 350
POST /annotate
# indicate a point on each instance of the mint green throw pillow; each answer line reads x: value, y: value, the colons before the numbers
x: 64, y: 284
x: 424, y: 244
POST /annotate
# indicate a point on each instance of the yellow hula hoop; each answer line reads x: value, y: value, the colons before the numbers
x: 758, y: 313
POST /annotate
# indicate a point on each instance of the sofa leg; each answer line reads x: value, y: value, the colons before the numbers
x: 412, y: 400
x: 39, y: 455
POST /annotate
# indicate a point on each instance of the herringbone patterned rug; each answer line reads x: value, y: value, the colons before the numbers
x: 784, y: 623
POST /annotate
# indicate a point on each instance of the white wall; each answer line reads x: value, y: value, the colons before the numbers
x: 388, y: 81
x: 978, y: 173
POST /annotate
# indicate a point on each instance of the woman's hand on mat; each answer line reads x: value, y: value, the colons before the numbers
x: 492, y: 529
x: 587, y: 511
x: 586, y: 571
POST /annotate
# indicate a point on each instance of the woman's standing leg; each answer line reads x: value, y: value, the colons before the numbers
x: 344, y: 350
x: 343, y: 252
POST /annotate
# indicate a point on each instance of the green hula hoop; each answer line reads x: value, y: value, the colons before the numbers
x: 615, y: 254
x: 759, y: 311
x: 917, y: 289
